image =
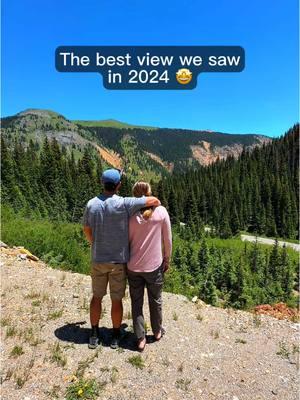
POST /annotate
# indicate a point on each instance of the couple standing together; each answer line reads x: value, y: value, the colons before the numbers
x: 130, y: 237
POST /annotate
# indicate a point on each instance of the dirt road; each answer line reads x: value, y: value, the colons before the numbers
x: 250, y: 238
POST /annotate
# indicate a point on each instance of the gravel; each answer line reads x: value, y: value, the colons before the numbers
x: 207, y: 353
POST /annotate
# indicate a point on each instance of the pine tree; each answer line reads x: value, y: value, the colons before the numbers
x: 240, y: 296
x: 274, y: 289
x: 234, y: 221
x: 270, y: 228
x: 173, y: 208
x: 7, y: 173
x: 193, y: 219
x: 203, y: 258
x: 225, y: 230
x: 192, y: 262
x: 161, y: 193
x: 287, y: 274
x: 274, y: 262
x: 209, y: 291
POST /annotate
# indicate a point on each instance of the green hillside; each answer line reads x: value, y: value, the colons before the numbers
x: 174, y: 145
x: 111, y: 123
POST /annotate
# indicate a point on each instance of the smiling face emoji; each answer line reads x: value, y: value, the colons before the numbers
x: 184, y: 76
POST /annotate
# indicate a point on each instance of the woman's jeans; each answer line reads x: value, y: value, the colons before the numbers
x: 154, y: 283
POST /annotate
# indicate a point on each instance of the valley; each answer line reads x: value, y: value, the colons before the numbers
x: 214, y: 186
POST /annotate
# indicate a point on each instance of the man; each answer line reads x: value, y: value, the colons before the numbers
x: 106, y: 228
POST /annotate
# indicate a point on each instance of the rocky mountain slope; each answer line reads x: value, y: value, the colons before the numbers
x: 156, y: 150
x: 207, y: 353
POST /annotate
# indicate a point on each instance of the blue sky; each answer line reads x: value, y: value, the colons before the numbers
x: 264, y: 98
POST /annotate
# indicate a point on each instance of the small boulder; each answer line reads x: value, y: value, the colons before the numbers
x: 28, y: 254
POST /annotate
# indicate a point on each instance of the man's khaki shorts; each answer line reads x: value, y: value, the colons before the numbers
x: 115, y: 274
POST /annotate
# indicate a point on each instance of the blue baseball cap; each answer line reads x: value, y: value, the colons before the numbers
x: 112, y: 176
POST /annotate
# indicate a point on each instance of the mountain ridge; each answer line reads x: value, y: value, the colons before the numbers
x: 112, y: 123
x: 154, y: 151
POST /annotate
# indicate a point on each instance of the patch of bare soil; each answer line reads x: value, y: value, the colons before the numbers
x: 207, y: 353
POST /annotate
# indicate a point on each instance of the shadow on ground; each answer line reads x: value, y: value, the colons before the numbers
x: 79, y: 334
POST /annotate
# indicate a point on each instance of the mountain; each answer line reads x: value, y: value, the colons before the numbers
x: 143, y: 151
x: 177, y: 148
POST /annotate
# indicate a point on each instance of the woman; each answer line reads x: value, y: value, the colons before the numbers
x: 150, y: 241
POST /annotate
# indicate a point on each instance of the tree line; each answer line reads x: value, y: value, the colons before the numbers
x: 258, y: 192
x: 50, y: 183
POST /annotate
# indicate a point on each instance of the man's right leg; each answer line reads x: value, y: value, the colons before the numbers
x: 95, y: 313
x: 95, y: 310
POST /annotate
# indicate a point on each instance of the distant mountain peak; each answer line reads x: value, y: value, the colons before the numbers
x: 39, y: 112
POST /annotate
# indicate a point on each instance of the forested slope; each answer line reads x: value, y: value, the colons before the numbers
x: 258, y: 192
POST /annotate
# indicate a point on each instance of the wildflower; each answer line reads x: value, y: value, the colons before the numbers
x: 80, y: 391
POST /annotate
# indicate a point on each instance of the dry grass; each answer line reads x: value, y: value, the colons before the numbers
x: 183, y: 384
x: 57, y: 355
x: 84, y: 364
x: 11, y: 331
x: 215, y: 334
x: 21, y: 376
x: 199, y: 317
x: 5, y: 321
x: 32, y: 295
x: 55, y: 314
x: 16, y: 351
x: 180, y: 367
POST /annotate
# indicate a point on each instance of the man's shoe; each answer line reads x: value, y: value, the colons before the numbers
x: 115, y: 339
x: 115, y: 342
x: 94, y: 340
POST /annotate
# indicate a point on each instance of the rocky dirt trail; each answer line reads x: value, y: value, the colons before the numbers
x: 207, y: 353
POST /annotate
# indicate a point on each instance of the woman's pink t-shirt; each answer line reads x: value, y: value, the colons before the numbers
x: 150, y: 240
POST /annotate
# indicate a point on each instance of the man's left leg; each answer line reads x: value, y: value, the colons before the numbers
x: 116, y: 313
x: 117, y: 286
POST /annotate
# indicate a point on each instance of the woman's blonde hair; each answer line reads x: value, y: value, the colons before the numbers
x: 143, y: 189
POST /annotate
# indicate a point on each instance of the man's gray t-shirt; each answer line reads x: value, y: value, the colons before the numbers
x: 108, y: 218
